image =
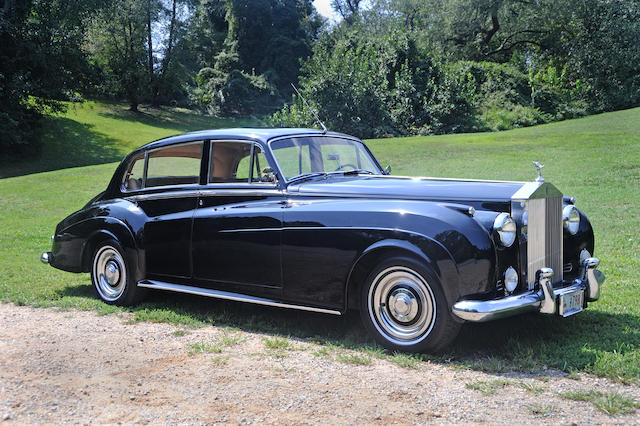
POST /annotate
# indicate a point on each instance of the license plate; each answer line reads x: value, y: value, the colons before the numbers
x: 571, y: 303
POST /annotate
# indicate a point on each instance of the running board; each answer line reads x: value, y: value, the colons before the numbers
x: 226, y: 295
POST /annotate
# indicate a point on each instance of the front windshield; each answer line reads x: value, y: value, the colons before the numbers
x: 322, y: 154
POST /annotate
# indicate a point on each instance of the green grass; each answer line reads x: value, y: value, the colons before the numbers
x: 596, y: 159
x: 611, y: 403
x: 532, y: 388
x: 488, y: 388
x: 103, y: 132
x: 540, y: 409
x: 353, y: 358
x: 276, y: 342
x: 217, y: 346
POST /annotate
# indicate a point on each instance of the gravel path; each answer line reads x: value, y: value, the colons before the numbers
x: 80, y: 367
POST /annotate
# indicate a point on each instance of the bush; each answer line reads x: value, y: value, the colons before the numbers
x: 226, y: 90
x: 507, y: 97
x: 378, y: 87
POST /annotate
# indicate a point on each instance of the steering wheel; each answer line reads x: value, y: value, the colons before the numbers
x: 346, y: 165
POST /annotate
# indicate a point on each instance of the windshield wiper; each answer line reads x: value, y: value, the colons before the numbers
x: 357, y: 172
x: 306, y: 176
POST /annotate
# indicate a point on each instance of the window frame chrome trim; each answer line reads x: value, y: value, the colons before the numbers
x: 286, y: 181
x: 145, y: 170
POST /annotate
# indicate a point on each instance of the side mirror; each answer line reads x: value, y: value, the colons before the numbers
x: 387, y: 170
x: 268, y: 175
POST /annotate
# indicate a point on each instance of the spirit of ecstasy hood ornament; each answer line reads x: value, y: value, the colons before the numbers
x: 539, y: 168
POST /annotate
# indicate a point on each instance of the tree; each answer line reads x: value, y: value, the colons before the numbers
x: 118, y: 35
x: 41, y: 63
x: 260, y: 55
x: 348, y: 9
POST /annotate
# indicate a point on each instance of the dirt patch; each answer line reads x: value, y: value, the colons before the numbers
x: 85, y: 368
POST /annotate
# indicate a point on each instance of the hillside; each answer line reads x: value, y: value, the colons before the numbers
x: 596, y: 159
x: 101, y: 132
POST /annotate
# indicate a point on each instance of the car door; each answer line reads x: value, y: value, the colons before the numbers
x: 165, y: 184
x: 237, y: 226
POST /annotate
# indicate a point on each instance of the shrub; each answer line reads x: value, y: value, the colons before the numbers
x: 379, y: 86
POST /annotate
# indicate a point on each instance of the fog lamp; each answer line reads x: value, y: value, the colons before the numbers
x: 510, y: 279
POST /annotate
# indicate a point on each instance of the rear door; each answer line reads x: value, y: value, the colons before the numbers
x: 167, y: 192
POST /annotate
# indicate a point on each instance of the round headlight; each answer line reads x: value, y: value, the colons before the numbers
x: 571, y: 219
x: 510, y: 279
x: 505, y: 227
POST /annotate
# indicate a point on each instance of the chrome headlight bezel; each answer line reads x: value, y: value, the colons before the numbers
x: 505, y: 229
x: 571, y: 219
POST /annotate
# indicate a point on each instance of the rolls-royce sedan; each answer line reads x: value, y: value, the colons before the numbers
x: 308, y: 219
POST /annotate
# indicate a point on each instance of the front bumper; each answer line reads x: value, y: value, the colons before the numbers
x: 544, y: 299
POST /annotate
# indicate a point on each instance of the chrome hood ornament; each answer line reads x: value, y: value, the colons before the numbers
x: 539, y: 168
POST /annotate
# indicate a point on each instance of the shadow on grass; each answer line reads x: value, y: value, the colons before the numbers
x: 80, y: 146
x: 171, y: 119
x: 528, y: 343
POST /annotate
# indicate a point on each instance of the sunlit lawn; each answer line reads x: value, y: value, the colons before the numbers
x: 595, y: 159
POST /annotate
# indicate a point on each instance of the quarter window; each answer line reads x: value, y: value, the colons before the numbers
x: 133, y: 177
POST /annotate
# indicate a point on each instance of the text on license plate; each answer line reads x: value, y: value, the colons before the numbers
x: 571, y: 303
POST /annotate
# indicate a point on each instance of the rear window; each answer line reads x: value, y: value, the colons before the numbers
x: 173, y: 165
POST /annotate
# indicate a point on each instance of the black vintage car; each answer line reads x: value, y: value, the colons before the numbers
x: 305, y: 219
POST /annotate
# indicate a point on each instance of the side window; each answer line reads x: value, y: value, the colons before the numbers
x: 174, y: 165
x: 225, y: 164
x: 231, y: 162
x: 133, y: 177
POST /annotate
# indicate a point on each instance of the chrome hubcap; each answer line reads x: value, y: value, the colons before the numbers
x: 401, y: 305
x: 109, y: 273
x: 112, y: 273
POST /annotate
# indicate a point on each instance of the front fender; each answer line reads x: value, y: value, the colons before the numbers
x: 434, y: 255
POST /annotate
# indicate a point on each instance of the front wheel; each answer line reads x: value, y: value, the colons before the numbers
x: 110, y: 276
x: 404, y: 308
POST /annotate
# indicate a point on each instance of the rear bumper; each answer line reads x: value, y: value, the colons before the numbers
x: 543, y: 299
x: 46, y: 257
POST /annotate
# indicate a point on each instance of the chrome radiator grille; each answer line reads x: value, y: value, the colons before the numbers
x: 544, y: 237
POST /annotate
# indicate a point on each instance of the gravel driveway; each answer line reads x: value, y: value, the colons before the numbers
x: 80, y: 367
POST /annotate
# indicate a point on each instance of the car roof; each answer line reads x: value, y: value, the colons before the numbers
x: 262, y: 134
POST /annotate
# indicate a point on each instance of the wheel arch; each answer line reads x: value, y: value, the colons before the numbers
x: 431, y: 254
x: 115, y: 229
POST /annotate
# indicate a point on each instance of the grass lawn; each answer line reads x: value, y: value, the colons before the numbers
x: 596, y: 159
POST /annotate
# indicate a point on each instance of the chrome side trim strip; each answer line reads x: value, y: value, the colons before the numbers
x: 226, y: 295
x: 164, y: 195
x: 236, y: 192
x: 445, y: 179
x: 208, y: 192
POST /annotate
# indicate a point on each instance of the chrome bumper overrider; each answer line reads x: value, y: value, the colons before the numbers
x: 45, y: 257
x: 543, y: 300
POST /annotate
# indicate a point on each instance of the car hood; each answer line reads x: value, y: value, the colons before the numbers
x: 398, y: 187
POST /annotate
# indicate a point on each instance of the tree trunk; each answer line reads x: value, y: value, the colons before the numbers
x: 167, y: 54
x: 152, y: 79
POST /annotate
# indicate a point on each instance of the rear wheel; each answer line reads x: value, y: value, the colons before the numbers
x: 404, y: 308
x: 110, y: 275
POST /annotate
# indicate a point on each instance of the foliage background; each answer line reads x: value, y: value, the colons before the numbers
x: 386, y: 68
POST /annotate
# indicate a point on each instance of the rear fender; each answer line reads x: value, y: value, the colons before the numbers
x: 112, y: 228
